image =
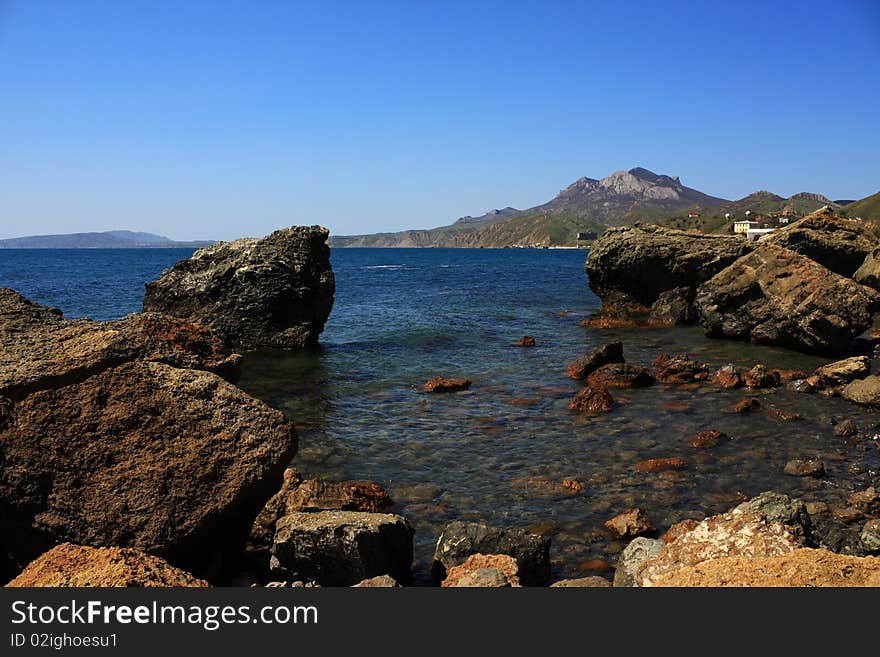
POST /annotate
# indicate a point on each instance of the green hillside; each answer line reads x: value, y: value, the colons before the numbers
x: 868, y: 208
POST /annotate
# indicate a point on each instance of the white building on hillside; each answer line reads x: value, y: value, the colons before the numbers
x: 744, y: 226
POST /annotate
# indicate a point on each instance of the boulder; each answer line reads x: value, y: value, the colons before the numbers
x: 342, y: 548
x: 43, y: 350
x: 863, y: 391
x: 741, y: 532
x: 836, y: 244
x: 439, y: 384
x: 299, y: 494
x: 274, y: 292
x: 483, y: 571
x: 633, y: 556
x: 629, y: 524
x: 593, y: 360
x: 868, y: 272
x: 843, y: 371
x: 803, y: 567
x: 621, y: 375
x: 592, y: 401
x: 174, y: 462
x: 636, y: 265
x: 69, y: 565
x: 460, y: 540
x: 779, y: 297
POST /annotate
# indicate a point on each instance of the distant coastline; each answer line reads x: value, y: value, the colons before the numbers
x: 114, y: 239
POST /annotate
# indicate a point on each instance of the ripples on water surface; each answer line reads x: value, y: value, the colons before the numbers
x: 499, y: 452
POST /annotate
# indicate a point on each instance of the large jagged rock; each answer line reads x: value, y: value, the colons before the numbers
x: 342, y: 548
x: 837, y: 244
x: 174, y: 462
x: 460, y: 540
x: 274, y: 292
x: 769, y: 525
x: 779, y: 297
x: 633, y: 267
x: 43, y: 350
x: 81, y: 566
x: 801, y: 568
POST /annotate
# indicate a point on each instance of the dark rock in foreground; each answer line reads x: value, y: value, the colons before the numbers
x: 634, y: 266
x: 342, y: 548
x: 778, y: 297
x: 69, y: 565
x: 589, y: 362
x: 460, y: 540
x: 274, y: 292
x: 174, y: 462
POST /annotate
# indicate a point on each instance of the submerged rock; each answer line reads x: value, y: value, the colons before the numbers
x: 526, y: 341
x: 273, y: 292
x: 707, y: 439
x: 728, y: 377
x: 760, y: 377
x: 746, y: 405
x: 439, y: 384
x: 69, y: 565
x: 779, y: 297
x: 621, y: 375
x: 636, y: 265
x: 660, y: 465
x: 592, y: 401
x: 460, y: 540
x: 593, y: 360
x: 342, y: 548
x: 805, y: 468
x: 484, y: 571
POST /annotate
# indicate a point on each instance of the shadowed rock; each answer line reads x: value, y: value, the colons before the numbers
x: 274, y: 292
x: 779, y: 297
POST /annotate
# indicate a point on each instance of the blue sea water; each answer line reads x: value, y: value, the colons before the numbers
x: 500, y: 451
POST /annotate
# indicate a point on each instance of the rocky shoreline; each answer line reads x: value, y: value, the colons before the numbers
x: 130, y: 458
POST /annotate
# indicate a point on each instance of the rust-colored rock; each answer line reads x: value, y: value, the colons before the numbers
x: 679, y: 368
x: 439, y: 384
x: 707, y: 439
x: 592, y: 401
x: 526, y: 341
x: 484, y: 571
x: 621, y: 375
x: 573, y: 485
x: 760, y: 377
x: 746, y: 405
x: 629, y: 524
x: 805, y: 468
x: 589, y: 362
x: 70, y: 565
x: 728, y: 377
x: 799, y: 568
x: 780, y: 415
x: 679, y: 529
x: 660, y: 465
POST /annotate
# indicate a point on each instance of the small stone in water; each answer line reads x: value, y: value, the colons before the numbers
x: 439, y: 384
x: 572, y: 484
x: 805, y: 468
x: 816, y: 508
x: 706, y: 439
x: 727, y: 377
x: 782, y: 416
x: 592, y: 401
x: 846, y: 429
x: 746, y: 405
x: 629, y: 524
x: 660, y: 465
x: 526, y: 341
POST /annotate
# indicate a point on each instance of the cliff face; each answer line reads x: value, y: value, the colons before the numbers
x: 274, y: 292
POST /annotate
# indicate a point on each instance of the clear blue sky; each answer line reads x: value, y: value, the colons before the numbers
x: 221, y: 119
